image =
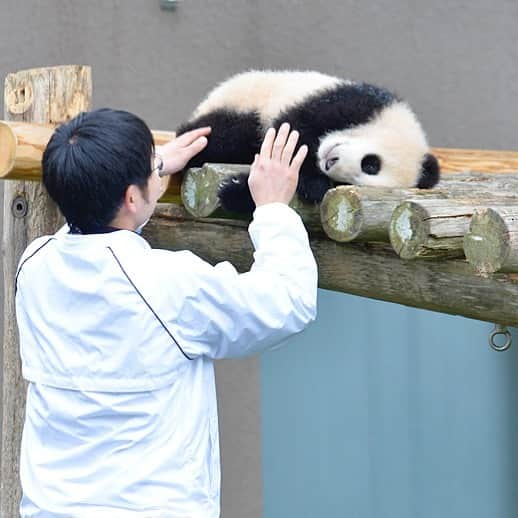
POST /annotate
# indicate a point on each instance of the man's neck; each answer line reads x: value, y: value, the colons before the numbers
x: 122, y: 223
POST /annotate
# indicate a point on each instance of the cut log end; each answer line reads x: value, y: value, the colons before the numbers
x: 408, y: 229
x: 200, y: 187
x: 197, y: 198
x: 341, y: 214
x: 8, y: 144
x: 486, y: 245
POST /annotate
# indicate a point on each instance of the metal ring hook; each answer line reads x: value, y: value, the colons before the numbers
x: 500, y: 330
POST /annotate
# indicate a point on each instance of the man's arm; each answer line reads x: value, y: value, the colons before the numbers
x: 231, y: 315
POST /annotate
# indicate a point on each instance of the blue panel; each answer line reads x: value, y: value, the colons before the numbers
x: 384, y: 411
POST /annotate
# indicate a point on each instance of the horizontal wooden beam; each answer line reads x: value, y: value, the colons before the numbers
x: 22, y: 145
x: 455, y: 160
x: 367, y: 269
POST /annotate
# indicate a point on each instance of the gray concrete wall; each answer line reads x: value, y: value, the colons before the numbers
x: 456, y: 62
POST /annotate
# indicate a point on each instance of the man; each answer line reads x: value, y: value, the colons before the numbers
x: 117, y: 340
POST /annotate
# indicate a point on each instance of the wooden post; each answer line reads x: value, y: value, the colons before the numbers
x: 46, y: 95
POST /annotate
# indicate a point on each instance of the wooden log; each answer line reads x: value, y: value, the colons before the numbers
x: 432, y: 229
x: 452, y: 160
x: 22, y: 145
x: 351, y: 212
x: 200, y: 188
x: 25, y: 163
x: 363, y: 213
x: 491, y: 244
x: 456, y: 161
x: 368, y: 269
x: 21, y: 149
x: 47, y: 95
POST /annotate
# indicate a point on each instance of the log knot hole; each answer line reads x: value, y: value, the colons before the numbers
x: 19, y: 100
x: 19, y: 207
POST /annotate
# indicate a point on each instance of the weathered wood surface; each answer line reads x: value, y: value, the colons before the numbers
x: 22, y: 145
x: 433, y: 229
x: 350, y: 212
x: 47, y: 95
x: 347, y: 212
x: 21, y: 149
x: 363, y: 213
x: 368, y: 269
x: 200, y: 188
x: 207, y: 180
x: 454, y: 160
x: 491, y: 244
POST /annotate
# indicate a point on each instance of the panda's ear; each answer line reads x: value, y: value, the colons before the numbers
x: 429, y: 172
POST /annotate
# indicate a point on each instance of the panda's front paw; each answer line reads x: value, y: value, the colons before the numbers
x: 234, y: 195
x: 313, y: 188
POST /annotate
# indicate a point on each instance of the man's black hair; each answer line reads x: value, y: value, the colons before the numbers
x: 90, y: 161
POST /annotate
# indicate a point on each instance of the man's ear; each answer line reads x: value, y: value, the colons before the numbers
x: 131, y: 198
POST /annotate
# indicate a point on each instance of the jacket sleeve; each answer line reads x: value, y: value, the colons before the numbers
x: 230, y: 315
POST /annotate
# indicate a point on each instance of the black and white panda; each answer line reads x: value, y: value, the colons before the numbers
x: 357, y: 133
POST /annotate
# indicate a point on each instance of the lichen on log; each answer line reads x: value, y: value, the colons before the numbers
x: 491, y: 244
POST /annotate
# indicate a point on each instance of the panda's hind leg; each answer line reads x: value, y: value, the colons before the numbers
x: 234, y: 138
x: 234, y: 195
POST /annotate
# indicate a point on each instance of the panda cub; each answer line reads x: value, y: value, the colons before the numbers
x: 357, y: 133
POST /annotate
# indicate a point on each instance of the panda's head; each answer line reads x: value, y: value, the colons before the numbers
x: 390, y: 150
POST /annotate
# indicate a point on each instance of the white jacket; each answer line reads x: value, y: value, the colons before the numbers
x: 117, y: 341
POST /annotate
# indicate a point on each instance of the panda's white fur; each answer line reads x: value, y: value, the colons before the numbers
x: 266, y: 92
x: 395, y: 134
x: 357, y: 133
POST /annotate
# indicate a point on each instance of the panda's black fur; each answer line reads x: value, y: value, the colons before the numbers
x: 236, y: 137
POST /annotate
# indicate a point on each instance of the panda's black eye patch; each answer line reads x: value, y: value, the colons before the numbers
x: 371, y: 164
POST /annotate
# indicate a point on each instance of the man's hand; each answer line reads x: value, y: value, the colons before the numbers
x: 274, y: 174
x: 177, y: 152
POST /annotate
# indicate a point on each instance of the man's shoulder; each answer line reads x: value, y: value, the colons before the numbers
x: 34, y: 247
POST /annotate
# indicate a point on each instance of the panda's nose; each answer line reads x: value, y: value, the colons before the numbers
x: 330, y: 162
